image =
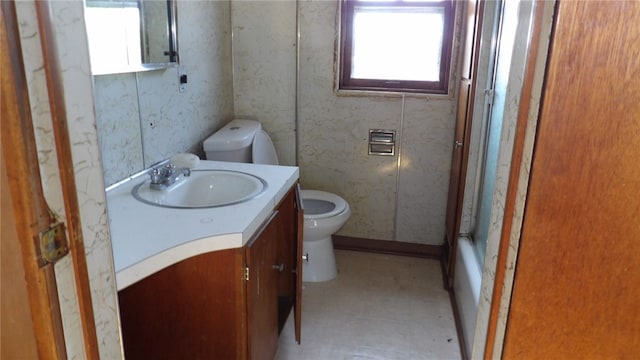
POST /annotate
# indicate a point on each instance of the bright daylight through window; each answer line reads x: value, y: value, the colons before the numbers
x: 109, y: 25
x: 401, y: 45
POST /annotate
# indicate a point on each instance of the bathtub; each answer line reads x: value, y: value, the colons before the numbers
x: 466, y: 285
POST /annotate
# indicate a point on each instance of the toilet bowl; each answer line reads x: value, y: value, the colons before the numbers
x: 324, y: 213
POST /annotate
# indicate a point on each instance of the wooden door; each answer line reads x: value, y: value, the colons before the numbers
x: 17, y: 334
x: 288, y: 260
x: 577, y: 279
x: 262, y: 291
x: 28, y: 213
x: 464, y: 115
x: 30, y: 210
x: 285, y: 259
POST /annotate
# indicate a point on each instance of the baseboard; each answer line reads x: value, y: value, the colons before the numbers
x: 388, y: 247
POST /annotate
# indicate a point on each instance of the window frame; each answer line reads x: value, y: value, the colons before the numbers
x: 346, y: 82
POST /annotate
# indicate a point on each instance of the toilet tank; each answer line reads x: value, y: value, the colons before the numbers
x: 232, y: 142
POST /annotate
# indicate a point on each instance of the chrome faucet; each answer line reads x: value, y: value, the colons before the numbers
x: 166, y: 175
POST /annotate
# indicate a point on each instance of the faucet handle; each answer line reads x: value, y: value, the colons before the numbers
x: 159, y: 173
x: 155, y: 175
x: 165, y: 175
x: 166, y: 170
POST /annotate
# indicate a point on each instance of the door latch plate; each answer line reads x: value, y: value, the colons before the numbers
x: 52, y: 244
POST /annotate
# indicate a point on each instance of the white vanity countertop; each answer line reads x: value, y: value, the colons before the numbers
x: 147, y: 239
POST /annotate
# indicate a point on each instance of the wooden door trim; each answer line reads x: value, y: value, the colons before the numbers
x: 31, y: 211
x: 466, y: 140
x: 470, y: 105
x: 512, y: 188
x: 67, y: 177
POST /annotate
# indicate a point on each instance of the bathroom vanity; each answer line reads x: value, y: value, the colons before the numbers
x: 213, y: 283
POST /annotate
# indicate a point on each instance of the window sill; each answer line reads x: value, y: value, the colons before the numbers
x: 392, y: 94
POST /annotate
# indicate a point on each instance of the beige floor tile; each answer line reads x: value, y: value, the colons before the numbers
x: 379, y: 307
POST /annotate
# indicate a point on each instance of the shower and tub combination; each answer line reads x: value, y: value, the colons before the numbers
x: 501, y: 66
x: 467, y: 281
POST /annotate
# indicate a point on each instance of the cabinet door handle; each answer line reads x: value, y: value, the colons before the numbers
x: 305, y: 257
x: 279, y: 267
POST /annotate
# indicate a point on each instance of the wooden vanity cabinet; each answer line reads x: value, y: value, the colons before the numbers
x: 228, y: 304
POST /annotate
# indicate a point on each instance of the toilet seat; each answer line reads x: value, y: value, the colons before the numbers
x: 324, y: 213
x: 321, y: 204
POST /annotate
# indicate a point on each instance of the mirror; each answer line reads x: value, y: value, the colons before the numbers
x: 131, y: 35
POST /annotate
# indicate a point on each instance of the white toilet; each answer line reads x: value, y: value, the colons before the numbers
x: 324, y: 213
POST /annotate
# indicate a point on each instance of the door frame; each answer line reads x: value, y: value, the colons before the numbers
x: 518, y: 178
x: 462, y: 135
x: 31, y: 211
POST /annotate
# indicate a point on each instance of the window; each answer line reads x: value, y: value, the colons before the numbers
x: 397, y: 45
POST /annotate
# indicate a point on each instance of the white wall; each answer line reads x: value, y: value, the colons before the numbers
x: 264, y: 69
x: 143, y: 118
x: 407, y: 205
x: 400, y: 198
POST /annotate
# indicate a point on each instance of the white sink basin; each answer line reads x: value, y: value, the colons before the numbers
x: 203, y: 189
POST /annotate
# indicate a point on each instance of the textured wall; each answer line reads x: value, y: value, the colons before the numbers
x: 427, y: 135
x: 264, y: 69
x: 69, y: 32
x: 118, y: 125
x: 143, y: 118
x: 407, y: 205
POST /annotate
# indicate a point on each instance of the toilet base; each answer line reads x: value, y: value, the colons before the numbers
x: 321, y: 265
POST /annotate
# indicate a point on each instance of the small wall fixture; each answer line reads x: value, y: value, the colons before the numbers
x: 182, y: 78
x: 382, y: 142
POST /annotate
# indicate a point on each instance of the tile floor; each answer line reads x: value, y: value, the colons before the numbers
x: 379, y: 307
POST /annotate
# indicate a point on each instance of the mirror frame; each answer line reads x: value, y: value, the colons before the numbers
x: 174, y: 58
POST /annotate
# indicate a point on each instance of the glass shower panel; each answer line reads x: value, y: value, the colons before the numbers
x: 507, y: 30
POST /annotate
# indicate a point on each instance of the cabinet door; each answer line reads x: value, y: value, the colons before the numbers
x: 297, y: 261
x: 190, y: 310
x: 288, y: 259
x: 262, y: 291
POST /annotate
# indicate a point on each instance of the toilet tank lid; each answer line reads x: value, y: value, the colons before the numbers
x: 237, y: 134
